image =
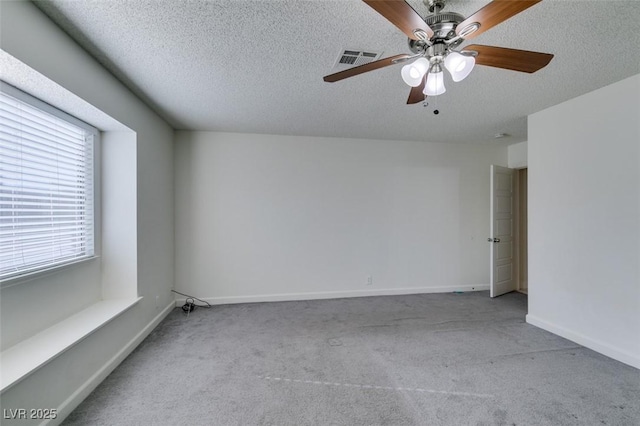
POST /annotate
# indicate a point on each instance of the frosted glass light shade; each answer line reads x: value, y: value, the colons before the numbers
x: 435, y: 84
x: 459, y: 65
x: 413, y: 73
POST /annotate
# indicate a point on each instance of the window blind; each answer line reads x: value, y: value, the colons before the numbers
x: 46, y: 189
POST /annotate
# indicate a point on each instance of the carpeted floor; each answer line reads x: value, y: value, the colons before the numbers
x: 432, y: 359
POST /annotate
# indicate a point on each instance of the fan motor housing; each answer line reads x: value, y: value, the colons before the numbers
x: 444, y: 28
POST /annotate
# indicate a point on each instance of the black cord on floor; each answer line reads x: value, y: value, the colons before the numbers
x: 190, y: 303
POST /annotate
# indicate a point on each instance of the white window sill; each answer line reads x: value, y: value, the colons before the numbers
x: 22, y: 359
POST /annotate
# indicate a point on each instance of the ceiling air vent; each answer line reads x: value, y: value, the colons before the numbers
x: 350, y: 58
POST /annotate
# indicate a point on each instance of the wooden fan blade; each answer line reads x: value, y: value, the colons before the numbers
x: 403, y: 16
x: 360, y: 69
x: 416, y: 96
x: 510, y: 59
x: 494, y: 13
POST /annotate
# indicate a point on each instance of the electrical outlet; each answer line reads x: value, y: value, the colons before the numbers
x: 369, y: 280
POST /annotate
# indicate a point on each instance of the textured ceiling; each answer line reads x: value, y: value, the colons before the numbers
x: 256, y: 66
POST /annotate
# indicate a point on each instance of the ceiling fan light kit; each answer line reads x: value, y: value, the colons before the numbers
x: 413, y: 73
x: 459, y: 65
x: 435, y: 81
x: 434, y: 41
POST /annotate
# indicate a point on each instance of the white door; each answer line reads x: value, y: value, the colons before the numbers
x: 502, y: 268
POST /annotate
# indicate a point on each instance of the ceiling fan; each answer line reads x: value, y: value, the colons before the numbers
x: 434, y: 42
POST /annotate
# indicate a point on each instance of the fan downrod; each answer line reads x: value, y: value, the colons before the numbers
x: 435, y: 6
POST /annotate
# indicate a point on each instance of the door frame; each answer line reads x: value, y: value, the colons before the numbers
x: 518, y: 217
x: 517, y: 255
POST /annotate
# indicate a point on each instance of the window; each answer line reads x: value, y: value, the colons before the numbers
x: 46, y: 186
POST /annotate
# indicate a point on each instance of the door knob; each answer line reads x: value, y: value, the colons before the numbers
x: 496, y: 240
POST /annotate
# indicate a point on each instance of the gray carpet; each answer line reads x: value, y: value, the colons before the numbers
x: 434, y: 359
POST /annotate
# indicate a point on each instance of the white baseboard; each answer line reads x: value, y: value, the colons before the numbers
x: 79, y: 395
x: 596, y: 345
x: 285, y: 297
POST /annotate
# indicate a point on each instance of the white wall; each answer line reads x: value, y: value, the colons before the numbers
x: 584, y: 220
x: 29, y: 36
x: 261, y: 217
x: 517, y: 155
x: 119, y: 246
